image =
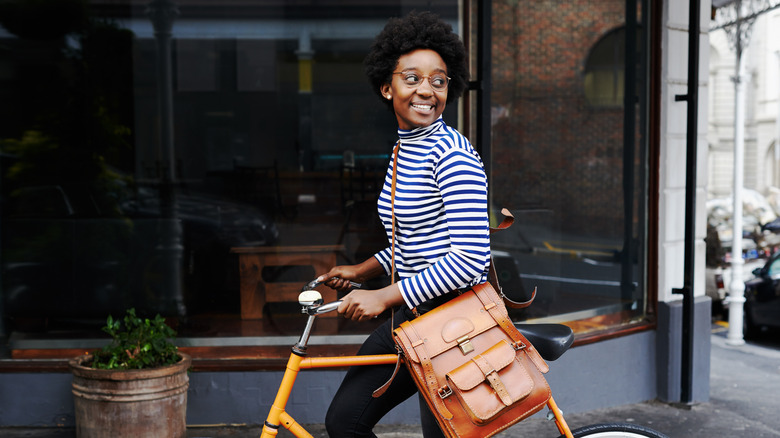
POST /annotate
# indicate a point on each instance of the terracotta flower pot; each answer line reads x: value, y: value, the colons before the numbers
x: 130, y: 403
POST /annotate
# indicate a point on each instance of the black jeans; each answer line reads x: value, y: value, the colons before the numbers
x: 354, y: 412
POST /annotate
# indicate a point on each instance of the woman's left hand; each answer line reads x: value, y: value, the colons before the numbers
x: 363, y: 305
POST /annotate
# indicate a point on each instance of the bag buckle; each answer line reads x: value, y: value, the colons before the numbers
x: 465, y: 345
x: 519, y: 345
x: 444, y: 392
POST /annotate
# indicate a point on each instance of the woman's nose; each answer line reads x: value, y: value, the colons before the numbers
x: 425, y: 87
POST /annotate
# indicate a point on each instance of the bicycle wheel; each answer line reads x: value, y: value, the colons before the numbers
x: 616, y: 430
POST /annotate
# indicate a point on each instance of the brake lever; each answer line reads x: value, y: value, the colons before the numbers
x: 314, y: 283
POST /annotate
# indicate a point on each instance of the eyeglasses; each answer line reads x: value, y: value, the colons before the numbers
x: 437, y: 81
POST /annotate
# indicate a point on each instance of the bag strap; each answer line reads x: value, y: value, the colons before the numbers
x: 507, y: 222
x: 431, y: 381
x: 381, y: 390
x: 392, y: 208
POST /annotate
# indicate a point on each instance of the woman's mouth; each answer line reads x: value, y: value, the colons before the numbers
x: 422, y: 107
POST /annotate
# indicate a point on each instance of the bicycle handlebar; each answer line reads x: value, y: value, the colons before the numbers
x: 316, y: 307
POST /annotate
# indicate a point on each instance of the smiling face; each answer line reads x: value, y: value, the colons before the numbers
x: 419, y: 106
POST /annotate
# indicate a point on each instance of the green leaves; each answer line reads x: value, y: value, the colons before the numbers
x: 136, y: 343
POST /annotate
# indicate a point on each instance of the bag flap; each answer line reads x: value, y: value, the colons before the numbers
x: 469, y: 375
x: 463, y: 315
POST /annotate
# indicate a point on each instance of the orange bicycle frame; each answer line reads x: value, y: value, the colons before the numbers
x: 278, y: 416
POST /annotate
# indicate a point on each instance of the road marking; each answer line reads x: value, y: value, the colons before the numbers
x: 570, y: 280
x: 579, y: 252
x: 720, y: 326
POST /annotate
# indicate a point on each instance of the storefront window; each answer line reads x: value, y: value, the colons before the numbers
x: 205, y: 161
x: 566, y: 163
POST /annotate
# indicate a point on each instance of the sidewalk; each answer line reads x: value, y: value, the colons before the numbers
x: 744, y: 395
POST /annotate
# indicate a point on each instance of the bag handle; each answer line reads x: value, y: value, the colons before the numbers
x: 506, y: 222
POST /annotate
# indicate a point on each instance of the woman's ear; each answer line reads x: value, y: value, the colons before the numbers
x: 387, y: 91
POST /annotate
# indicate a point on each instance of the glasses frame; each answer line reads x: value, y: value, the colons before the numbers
x: 425, y: 77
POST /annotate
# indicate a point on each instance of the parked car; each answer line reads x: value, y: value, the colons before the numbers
x: 71, y: 250
x: 718, y: 282
x: 760, y: 238
x: 762, y: 298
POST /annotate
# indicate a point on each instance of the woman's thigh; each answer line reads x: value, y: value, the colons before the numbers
x: 354, y: 411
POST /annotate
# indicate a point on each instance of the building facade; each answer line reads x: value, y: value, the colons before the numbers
x: 762, y: 64
x: 204, y: 160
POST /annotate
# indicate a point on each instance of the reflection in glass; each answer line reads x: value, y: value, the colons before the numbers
x: 570, y: 171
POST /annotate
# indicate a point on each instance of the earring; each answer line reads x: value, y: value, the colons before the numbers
x: 387, y: 96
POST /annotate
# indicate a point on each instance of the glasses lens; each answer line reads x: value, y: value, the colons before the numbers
x: 412, y: 79
x: 438, y: 82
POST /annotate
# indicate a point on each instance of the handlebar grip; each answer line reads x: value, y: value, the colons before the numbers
x: 325, y: 308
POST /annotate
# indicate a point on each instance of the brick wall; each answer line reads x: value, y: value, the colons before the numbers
x: 551, y: 149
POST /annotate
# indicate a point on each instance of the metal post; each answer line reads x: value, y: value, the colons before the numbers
x: 686, y: 366
x: 736, y: 297
x: 170, y: 249
x: 629, y: 145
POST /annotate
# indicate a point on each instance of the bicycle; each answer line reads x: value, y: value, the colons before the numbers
x: 550, y: 340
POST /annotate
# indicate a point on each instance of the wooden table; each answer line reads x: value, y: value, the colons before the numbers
x: 256, y: 291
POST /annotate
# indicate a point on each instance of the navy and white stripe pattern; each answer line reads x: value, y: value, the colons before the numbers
x: 442, y: 229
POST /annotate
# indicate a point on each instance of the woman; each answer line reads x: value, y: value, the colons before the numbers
x: 417, y: 65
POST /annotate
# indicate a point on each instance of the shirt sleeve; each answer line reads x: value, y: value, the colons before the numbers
x: 383, y: 257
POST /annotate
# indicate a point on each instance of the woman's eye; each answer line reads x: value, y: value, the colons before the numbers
x: 412, y: 79
x: 438, y: 81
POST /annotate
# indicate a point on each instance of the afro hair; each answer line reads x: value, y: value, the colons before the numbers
x: 418, y: 30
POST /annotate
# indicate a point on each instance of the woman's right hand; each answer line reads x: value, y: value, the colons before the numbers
x: 339, y: 277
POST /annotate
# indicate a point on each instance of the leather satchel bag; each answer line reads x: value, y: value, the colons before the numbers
x: 476, y: 371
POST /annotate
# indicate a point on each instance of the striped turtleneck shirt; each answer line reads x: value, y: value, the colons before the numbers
x: 442, y: 229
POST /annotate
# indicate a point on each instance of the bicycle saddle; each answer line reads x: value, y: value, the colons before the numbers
x: 550, y: 340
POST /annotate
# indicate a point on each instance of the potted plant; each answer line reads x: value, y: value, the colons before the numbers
x: 134, y: 386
